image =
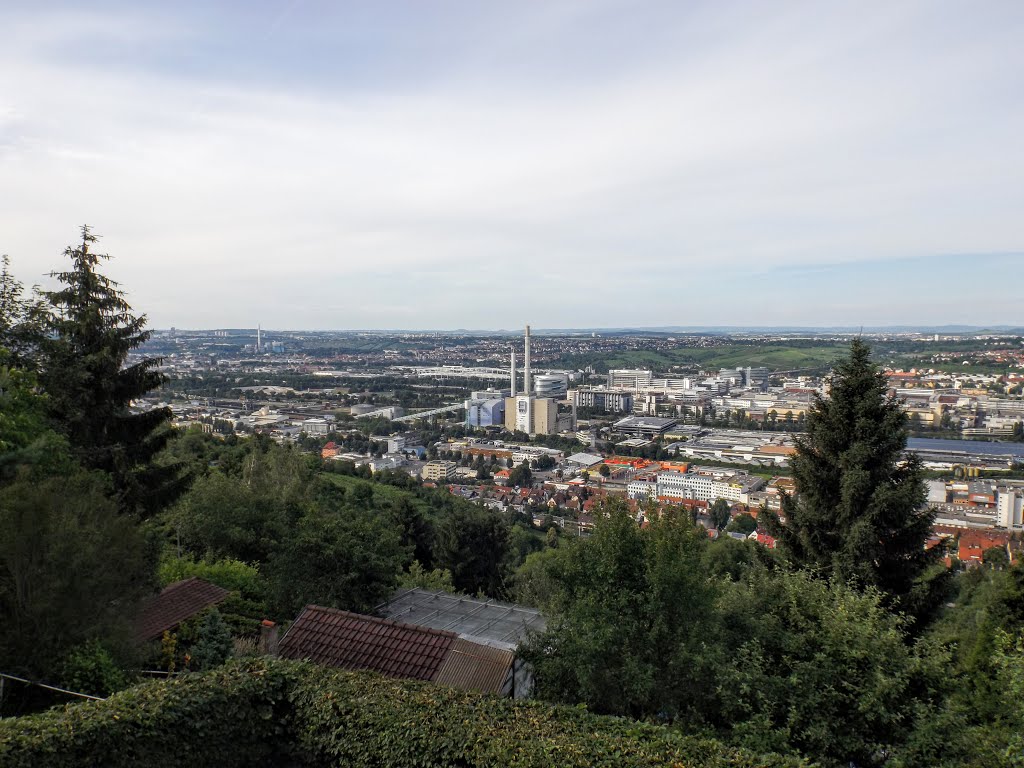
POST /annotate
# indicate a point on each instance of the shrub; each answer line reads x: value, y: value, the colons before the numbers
x: 91, y: 668
x: 231, y: 716
x: 262, y: 713
x: 214, y: 645
x: 227, y: 573
x: 361, y: 719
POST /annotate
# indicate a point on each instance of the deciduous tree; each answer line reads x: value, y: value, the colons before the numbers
x: 628, y: 608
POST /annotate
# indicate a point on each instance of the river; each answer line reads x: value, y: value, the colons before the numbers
x: 966, y: 446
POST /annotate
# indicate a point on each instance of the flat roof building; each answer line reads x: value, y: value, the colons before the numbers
x: 629, y: 378
x: 644, y: 426
x: 601, y: 399
x: 438, y: 470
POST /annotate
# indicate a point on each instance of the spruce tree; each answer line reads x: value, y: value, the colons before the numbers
x: 90, y: 387
x: 859, y: 510
x: 22, y: 324
x: 214, y: 644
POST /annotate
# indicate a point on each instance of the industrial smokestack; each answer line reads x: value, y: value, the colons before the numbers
x: 527, y: 384
x: 513, y: 373
x: 258, y: 340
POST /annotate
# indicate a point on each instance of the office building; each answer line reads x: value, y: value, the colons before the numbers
x: 438, y: 471
x: 316, y: 426
x: 644, y: 426
x: 752, y: 378
x: 604, y: 400
x: 733, y: 487
x: 552, y: 385
x: 629, y: 378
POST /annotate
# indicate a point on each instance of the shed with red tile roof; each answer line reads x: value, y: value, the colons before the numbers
x: 346, y: 640
x: 176, y: 603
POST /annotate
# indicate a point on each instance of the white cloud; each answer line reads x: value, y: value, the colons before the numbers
x: 738, y: 141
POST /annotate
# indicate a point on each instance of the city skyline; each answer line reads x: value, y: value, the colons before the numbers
x: 591, y: 165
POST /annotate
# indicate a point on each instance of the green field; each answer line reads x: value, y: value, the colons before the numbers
x: 776, y: 357
x: 382, y: 493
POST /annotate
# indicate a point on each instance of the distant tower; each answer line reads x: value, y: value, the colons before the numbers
x: 514, y: 373
x: 527, y: 384
x: 258, y: 338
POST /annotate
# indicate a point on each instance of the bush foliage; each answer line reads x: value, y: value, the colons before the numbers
x: 262, y: 712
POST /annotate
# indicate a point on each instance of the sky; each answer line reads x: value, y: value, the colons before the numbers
x: 567, y: 163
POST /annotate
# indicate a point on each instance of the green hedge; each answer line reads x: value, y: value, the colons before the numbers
x: 263, y: 712
x: 357, y: 720
x: 231, y: 716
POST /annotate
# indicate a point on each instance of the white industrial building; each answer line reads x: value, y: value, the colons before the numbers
x: 690, y: 485
x: 601, y: 399
x: 551, y: 385
x: 1010, y: 508
x: 629, y: 378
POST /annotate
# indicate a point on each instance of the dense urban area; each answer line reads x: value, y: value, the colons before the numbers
x: 254, y: 547
x: 712, y: 416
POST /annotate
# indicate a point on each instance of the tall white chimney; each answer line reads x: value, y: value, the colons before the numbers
x: 527, y: 383
x: 258, y: 340
x: 513, y: 373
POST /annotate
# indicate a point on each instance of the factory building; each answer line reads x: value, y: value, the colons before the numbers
x: 527, y: 412
x: 532, y: 415
x: 485, y: 413
x: 1010, y: 508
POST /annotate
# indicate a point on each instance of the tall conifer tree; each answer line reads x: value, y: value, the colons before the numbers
x: 90, y: 387
x: 859, y: 510
x: 21, y: 320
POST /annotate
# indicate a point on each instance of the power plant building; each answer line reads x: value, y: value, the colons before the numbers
x: 527, y: 412
x: 532, y: 415
x: 485, y: 413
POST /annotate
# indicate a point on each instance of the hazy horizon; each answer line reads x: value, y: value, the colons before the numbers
x: 697, y: 329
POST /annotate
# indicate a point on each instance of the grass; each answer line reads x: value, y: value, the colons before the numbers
x: 774, y: 357
x: 381, y: 491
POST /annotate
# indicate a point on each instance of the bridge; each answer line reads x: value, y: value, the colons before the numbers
x: 427, y: 414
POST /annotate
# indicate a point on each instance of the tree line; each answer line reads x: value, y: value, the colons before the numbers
x: 102, y: 503
x: 849, y: 644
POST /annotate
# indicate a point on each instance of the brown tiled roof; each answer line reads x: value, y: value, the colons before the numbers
x: 352, y: 641
x: 176, y: 603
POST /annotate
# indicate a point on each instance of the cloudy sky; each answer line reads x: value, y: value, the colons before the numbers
x: 570, y: 163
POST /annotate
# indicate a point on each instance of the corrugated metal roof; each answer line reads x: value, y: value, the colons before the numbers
x: 474, y: 667
x: 176, y: 603
x: 491, y: 622
x: 352, y: 641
